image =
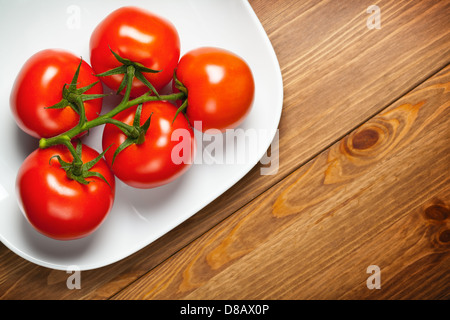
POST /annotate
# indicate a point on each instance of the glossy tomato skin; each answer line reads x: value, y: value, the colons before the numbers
x: 39, y: 84
x: 140, y: 36
x: 57, y: 206
x: 159, y: 159
x: 220, y: 87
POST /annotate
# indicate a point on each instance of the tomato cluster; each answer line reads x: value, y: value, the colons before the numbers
x: 66, y: 188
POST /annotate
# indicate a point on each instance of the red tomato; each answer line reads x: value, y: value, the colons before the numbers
x: 57, y: 206
x: 166, y: 153
x: 220, y: 87
x: 39, y: 85
x: 139, y: 36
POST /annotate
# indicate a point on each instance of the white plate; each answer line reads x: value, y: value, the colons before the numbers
x: 139, y: 216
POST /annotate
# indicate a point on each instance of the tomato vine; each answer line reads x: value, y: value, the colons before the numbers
x: 75, y: 97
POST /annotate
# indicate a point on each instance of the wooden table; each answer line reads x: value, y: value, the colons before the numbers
x: 363, y: 178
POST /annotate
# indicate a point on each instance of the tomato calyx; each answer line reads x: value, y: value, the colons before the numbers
x: 182, y: 88
x: 123, y: 69
x: 135, y: 133
x: 178, y: 84
x: 77, y: 170
x: 74, y: 97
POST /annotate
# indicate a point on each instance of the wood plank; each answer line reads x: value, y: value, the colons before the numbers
x: 380, y: 196
x: 337, y: 74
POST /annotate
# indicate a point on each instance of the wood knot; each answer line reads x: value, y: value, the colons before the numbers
x: 440, y: 238
x: 370, y: 143
x: 437, y: 216
x: 371, y: 140
x: 436, y: 213
x: 365, y: 139
x: 444, y: 237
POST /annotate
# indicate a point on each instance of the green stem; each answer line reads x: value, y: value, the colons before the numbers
x: 80, y: 105
x: 103, y: 119
x: 126, y: 129
x: 130, y: 77
x: 84, y: 125
x: 72, y: 150
x: 77, y: 162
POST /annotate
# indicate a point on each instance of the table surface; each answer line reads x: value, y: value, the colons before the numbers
x: 363, y: 176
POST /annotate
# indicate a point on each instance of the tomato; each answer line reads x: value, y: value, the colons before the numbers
x: 220, y: 87
x: 39, y: 84
x: 166, y: 153
x: 139, y: 36
x: 57, y: 206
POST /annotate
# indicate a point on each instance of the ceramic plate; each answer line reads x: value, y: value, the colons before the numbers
x: 139, y: 216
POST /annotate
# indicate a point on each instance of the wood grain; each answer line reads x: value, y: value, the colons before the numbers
x: 337, y: 74
x: 380, y: 196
